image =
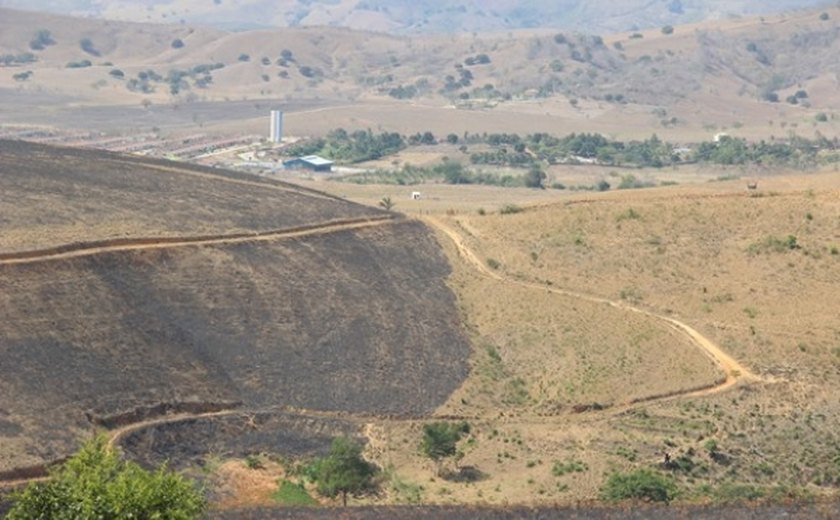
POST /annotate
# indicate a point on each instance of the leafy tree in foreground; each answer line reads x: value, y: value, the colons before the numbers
x: 440, y: 440
x: 344, y: 471
x: 95, y: 483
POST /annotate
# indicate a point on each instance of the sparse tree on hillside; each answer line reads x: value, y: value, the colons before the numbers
x: 387, y: 203
x: 344, y: 471
x: 668, y: 29
x: 440, y: 441
x: 535, y: 177
x: 87, y: 45
x: 42, y: 40
x: 177, y: 43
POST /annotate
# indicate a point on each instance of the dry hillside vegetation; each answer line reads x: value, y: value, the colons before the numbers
x: 754, y: 272
x: 345, y: 311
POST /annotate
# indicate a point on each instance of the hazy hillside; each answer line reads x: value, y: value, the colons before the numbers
x: 708, y: 74
x: 428, y: 16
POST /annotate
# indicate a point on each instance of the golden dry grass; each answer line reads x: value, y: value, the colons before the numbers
x: 698, y: 253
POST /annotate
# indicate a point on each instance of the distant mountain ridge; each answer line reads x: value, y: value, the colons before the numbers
x: 420, y: 16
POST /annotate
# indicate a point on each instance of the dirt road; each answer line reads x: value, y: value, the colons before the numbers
x: 732, y: 369
x: 134, y: 244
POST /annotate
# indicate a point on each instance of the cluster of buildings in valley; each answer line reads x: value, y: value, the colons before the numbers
x: 247, y: 152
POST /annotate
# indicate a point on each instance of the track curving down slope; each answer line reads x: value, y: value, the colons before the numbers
x: 733, y: 371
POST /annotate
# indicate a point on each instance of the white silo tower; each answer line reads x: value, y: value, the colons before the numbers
x: 276, y: 126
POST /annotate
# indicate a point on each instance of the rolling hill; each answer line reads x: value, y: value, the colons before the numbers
x: 132, y: 289
x: 739, y: 75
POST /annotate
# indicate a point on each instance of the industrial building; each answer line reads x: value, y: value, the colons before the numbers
x: 310, y: 162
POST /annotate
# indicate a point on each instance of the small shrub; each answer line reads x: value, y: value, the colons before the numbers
x: 510, y: 209
x: 177, y: 43
x: 82, y: 64
x: 117, y: 73
x: 824, y: 17
x: 570, y: 466
x: 835, y: 250
x: 642, y: 484
x: 253, y: 462
x: 22, y: 76
x: 630, y: 214
x: 244, y: 57
x: 87, y: 45
x: 493, y: 263
x: 602, y: 186
x: 728, y: 493
x: 668, y: 30
x: 774, y: 244
x: 291, y: 494
x: 822, y: 117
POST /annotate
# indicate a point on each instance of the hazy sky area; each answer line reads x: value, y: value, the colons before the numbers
x: 413, y: 16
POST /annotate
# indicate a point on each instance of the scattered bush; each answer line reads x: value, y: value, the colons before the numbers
x: 82, y: 64
x: 22, y: 76
x: 117, y: 73
x: 641, y: 484
x: 244, y: 57
x: 570, y: 466
x: 87, y: 45
x: 822, y: 117
x: 510, y: 209
x: 293, y: 495
x: 668, y: 30
x: 775, y: 245
x: 42, y: 40
x: 824, y: 17
x: 177, y: 43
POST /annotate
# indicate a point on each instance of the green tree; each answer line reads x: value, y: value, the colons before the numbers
x: 535, y: 177
x: 344, y: 471
x: 387, y: 203
x: 96, y: 484
x: 440, y: 441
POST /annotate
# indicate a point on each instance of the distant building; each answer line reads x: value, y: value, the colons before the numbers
x: 310, y: 162
x: 276, y: 135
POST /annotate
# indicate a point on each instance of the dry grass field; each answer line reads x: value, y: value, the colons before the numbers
x: 715, y: 256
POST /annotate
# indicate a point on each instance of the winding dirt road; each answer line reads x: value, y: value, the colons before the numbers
x: 732, y: 369
x: 136, y: 244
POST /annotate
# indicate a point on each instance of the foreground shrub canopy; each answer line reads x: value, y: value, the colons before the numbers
x: 96, y: 484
